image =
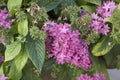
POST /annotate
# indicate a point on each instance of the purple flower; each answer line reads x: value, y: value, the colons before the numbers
x: 65, y: 46
x: 96, y: 76
x: 99, y: 76
x: 106, y: 6
x: 105, y: 29
x: 3, y: 77
x: 4, y: 22
x: 106, y: 14
x: 1, y: 58
x: 94, y: 16
x: 109, y: 6
x: 103, y: 11
x: 99, y: 10
x: 112, y: 5
x: 83, y: 12
x: 84, y: 77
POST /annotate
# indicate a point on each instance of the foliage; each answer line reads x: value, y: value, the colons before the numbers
x: 36, y: 52
x: 103, y: 47
x: 17, y: 65
x: 12, y: 50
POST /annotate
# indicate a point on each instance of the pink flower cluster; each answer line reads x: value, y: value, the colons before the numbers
x: 1, y: 59
x: 103, y: 11
x: 4, y: 22
x: 65, y: 46
x: 2, y: 77
x: 96, y: 76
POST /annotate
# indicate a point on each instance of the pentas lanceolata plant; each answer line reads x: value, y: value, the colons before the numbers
x: 65, y: 46
x: 102, y: 12
x: 61, y: 37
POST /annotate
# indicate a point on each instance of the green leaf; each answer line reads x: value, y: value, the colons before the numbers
x: 23, y: 27
x: 48, y: 65
x: 12, y: 50
x: 97, y: 2
x: 29, y: 72
x: 66, y: 3
x: 14, y: 5
x: 80, y: 2
x: 63, y: 5
x: 111, y: 57
x: 99, y: 66
x: 21, y: 59
x: 14, y: 28
x: 103, y: 46
x: 118, y: 1
x: 36, y: 52
x: 49, y: 5
x: 1, y: 70
x: 88, y: 8
x: 52, y: 5
x: 17, y: 65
